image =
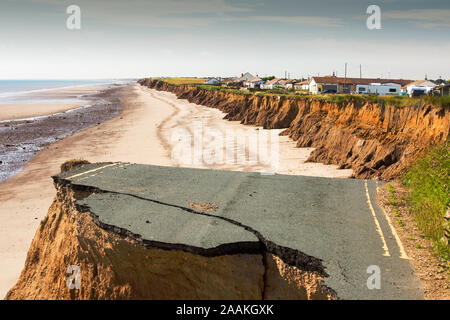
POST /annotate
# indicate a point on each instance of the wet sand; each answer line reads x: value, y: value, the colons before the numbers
x: 141, y: 133
x: 24, y: 111
x: 20, y: 140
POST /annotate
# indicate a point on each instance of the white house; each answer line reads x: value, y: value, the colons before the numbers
x: 303, y: 85
x: 244, y: 77
x: 253, y: 82
x: 212, y: 81
x: 424, y: 86
x: 287, y: 84
x: 272, y: 84
x: 333, y: 84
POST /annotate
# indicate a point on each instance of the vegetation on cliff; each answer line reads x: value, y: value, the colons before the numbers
x: 429, y: 183
x: 392, y: 100
x: 374, y: 139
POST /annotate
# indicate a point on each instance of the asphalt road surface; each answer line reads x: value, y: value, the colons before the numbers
x: 333, y: 225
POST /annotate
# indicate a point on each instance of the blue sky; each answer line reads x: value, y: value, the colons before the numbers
x: 137, y: 38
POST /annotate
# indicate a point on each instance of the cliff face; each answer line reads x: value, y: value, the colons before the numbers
x: 376, y: 141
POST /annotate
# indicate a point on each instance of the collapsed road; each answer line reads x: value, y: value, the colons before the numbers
x: 286, y: 235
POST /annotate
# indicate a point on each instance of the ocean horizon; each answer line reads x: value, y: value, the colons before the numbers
x: 18, y: 91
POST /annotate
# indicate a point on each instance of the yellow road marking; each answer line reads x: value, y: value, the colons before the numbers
x: 403, y: 254
x: 90, y: 171
x: 377, y: 223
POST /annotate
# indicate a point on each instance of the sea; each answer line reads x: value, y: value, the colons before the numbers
x: 18, y: 91
x: 21, y: 139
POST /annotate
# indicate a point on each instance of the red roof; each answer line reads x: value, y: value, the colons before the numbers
x: 272, y: 81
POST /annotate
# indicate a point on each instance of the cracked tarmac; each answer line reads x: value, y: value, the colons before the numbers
x: 319, y: 224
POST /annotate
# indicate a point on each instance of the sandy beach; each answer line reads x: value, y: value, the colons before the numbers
x: 142, y: 133
x: 49, y: 102
x: 24, y: 111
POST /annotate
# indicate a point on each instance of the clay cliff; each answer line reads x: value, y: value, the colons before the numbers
x: 114, y: 264
x: 375, y: 140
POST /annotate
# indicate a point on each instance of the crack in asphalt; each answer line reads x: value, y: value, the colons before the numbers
x: 288, y: 255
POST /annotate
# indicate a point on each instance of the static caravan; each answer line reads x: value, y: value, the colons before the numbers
x: 378, y: 88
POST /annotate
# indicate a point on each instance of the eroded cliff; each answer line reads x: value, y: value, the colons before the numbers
x: 375, y: 140
x: 115, y: 263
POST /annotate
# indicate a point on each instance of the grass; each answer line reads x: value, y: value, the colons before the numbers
x: 73, y: 164
x: 183, y: 81
x: 393, y: 100
x: 394, y: 203
x: 429, y: 183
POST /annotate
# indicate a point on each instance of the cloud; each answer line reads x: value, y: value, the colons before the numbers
x: 300, y: 20
x: 180, y: 13
x: 427, y: 18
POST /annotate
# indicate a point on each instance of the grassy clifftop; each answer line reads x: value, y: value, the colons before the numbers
x: 392, y: 100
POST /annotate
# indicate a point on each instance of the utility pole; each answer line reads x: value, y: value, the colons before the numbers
x: 345, y: 75
x: 360, y: 71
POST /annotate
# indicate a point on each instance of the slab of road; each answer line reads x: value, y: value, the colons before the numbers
x: 310, y: 222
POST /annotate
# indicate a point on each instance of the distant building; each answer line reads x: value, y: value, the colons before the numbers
x: 333, y: 84
x: 244, y: 77
x: 422, y: 86
x: 287, y: 84
x: 272, y: 84
x: 213, y: 81
x: 254, y: 82
x: 379, y: 88
x: 302, y: 85
x: 442, y: 90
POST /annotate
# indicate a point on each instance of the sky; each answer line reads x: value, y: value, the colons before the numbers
x: 148, y: 38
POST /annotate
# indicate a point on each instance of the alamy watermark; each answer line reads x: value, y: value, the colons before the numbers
x: 73, y: 22
x: 373, y: 21
x: 374, y: 280
x: 210, y: 146
x: 74, y: 280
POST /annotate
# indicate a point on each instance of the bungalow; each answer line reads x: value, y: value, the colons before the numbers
x: 272, y: 84
x: 419, y: 87
x: 254, y: 82
x: 335, y: 84
x: 287, y: 84
x: 302, y: 85
x: 244, y: 77
x: 212, y: 81
x: 442, y: 90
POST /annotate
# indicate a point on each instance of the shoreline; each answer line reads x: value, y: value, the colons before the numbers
x: 131, y: 136
x: 23, y: 138
x: 24, y: 112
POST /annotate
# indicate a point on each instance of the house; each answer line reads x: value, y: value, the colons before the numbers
x: 302, y: 85
x: 212, y: 81
x: 254, y: 82
x: 272, y: 84
x: 335, y: 84
x: 244, y: 77
x: 419, y: 87
x: 287, y: 83
x: 442, y: 90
